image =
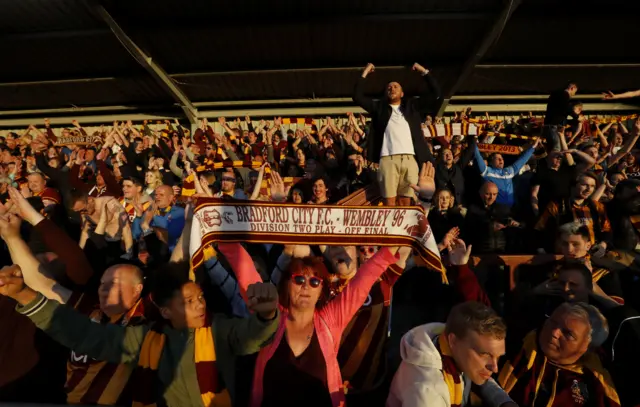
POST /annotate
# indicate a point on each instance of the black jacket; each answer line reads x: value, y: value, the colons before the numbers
x: 559, y: 106
x: 415, y: 111
x: 453, y: 178
x: 479, y: 228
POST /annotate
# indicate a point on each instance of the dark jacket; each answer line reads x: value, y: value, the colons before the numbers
x: 414, y: 110
x: 453, y: 178
x: 559, y: 106
x: 479, y: 228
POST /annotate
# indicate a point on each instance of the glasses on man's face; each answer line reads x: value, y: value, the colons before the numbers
x: 301, y: 279
x: 229, y: 179
x: 370, y: 250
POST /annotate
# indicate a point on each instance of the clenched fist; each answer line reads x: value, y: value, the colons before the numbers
x: 368, y: 69
x: 12, y: 285
x: 263, y: 299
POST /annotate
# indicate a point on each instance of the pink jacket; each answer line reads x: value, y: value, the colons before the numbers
x: 329, y: 321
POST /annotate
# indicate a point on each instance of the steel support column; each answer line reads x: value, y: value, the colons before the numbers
x: 150, y: 65
x: 489, y: 39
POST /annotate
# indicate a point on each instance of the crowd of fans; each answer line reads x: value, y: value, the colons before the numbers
x: 99, y: 304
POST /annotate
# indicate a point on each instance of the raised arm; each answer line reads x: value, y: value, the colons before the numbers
x: 524, y: 157
x: 359, y: 98
x: 33, y: 272
x: 241, y: 264
x: 108, y: 342
x: 221, y: 278
x: 427, y: 101
x: 482, y: 167
x: 631, y: 142
x: 467, y: 155
x: 339, y: 311
x: 77, y: 267
x: 625, y: 95
x: 246, y: 336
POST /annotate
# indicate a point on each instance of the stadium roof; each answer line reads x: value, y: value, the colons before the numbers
x: 199, y: 58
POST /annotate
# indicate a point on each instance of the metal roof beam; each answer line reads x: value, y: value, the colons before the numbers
x: 150, y: 65
x: 489, y: 39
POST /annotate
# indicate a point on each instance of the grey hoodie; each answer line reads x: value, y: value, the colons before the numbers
x: 419, y: 381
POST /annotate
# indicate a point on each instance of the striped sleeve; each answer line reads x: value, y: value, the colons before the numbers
x: 227, y: 285
x: 33, y: 307
x: 65, y: 325
x: 551, y: 212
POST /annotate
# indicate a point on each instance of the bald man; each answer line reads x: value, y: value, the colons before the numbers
x: 117, y: 301
x: 486, y: 222
x: 166, y: 216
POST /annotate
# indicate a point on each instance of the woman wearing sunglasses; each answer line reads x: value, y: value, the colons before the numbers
x: 300, y: 366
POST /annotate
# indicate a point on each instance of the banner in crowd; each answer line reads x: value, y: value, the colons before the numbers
x: 450, y: 129
x: 78, y: 140
x: 210, y: 165
x: 499, y: 148
x: 508, y: 136
x: 218, y: 220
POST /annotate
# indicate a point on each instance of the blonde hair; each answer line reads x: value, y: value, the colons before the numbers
x: 477, y: 317
x: 158, y: 181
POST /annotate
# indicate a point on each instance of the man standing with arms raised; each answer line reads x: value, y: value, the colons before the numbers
x: 396, y: 139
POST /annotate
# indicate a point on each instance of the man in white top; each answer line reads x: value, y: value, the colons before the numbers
x: 396, y: 141
x: 442, y: 362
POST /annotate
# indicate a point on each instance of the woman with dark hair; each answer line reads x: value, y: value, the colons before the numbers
x: 296, y: 195
x: 300, y: 366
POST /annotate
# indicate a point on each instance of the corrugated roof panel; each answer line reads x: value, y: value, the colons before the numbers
x: 310, y: 45
x: 45, y: 15
x: 543, y: 81
x: 77, y: 56
x: 300, y: 84
x: 100, y: 93
x: 556, y: 39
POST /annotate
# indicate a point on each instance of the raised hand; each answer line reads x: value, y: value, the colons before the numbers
x: 10, y: 226
x: 459, y: 252
x: 368, y: 69
x: 23, y: 207
x: 263, y: 299
x: 12, y: 285
x: 420, y: 69
x: 222, y: 121
x: 148, y: 216
x: 451, y: 236
x: 277, y: 188
x: 426, y: 182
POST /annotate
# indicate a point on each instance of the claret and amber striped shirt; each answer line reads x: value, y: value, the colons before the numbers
x: 557, y: 213
x: 91, y: 381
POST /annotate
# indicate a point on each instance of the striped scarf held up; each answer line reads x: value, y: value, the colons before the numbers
x: 147, y: 382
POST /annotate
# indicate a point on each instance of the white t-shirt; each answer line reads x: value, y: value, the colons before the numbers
x: 397, y: 135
